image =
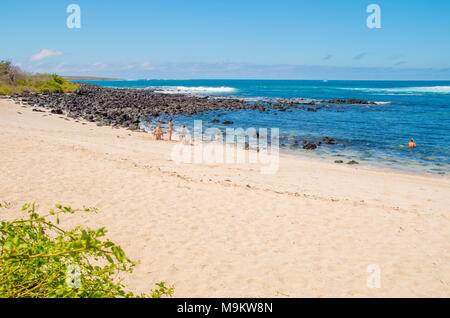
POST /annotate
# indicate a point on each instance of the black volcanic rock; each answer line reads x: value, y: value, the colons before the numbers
x: 57, y: 112
x: 125, y: 107
x: 310, y: 146
x: 329, y: 141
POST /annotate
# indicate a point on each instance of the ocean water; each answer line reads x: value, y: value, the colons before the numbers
x: 372, y: 134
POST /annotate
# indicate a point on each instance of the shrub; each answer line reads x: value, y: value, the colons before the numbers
x: 14, y: 81
x: 38, y: 259
x: 6, y: 90
x: 10, y: 73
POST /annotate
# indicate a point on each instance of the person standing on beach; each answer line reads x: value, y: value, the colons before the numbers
x: 183, y: 134
x: 158, y: 132
x: 412, y: 144
x: 170, y: 129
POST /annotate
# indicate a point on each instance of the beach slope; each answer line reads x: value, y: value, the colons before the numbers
x: 314, y: 229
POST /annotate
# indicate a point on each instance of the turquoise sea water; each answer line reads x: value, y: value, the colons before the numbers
x: 375, y: 134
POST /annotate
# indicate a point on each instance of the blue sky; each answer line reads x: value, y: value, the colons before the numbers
x: 301, y: 39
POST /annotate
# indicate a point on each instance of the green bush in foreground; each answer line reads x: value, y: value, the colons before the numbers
x: 38, y: 259
x: 15, y: 81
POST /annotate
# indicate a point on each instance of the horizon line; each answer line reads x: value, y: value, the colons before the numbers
x: 112, y: 79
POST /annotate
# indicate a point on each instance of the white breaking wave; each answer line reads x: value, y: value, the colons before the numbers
x: 382, y: 103
x: 193, y: 90
x: 406, y: 90
x: 431, y: 89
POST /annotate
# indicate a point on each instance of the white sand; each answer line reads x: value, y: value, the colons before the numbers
x: 311, y: 230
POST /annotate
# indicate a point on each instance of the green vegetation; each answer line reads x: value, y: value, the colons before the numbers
x: 15, y: 81
x: 38, y: 259
x: 5, y: 204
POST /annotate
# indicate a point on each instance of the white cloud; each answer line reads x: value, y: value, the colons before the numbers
x: 43, y: 54
x: 147, y: 66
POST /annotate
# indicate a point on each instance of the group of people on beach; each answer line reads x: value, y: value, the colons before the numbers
x: 159, y: 132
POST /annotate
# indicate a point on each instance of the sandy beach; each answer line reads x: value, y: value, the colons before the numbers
x: 310, y: 230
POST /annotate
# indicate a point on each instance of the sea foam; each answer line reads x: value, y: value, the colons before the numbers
x: 404, y: 90
x: 193, y: 90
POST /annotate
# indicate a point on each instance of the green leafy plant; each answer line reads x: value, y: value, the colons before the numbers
x: 38, y: 259
x: 15, y: 81
x: 5, y: 204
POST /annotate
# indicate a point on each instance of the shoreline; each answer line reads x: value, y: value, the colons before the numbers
x: 283, y: 152
x: 311, y: 230
x: 367, y: 166
x: 112, y: 113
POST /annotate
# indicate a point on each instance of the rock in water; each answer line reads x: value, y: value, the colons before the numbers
x: 309, y: 146
x: 329, y: 141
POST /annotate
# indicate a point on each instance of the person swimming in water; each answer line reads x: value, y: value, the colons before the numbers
x: 412, y: 144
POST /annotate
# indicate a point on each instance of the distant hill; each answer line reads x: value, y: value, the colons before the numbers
x: 91, y: 78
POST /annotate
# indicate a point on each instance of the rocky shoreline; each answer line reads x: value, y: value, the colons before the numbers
x: 124, y: 107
